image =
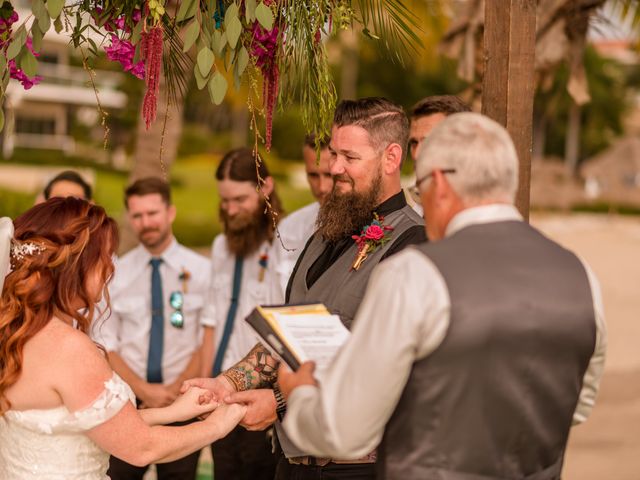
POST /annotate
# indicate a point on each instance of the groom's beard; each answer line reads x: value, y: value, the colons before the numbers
x: 245, y: 232
x: 344, y: 214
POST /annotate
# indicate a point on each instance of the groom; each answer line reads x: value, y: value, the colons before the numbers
x: 367, y: 147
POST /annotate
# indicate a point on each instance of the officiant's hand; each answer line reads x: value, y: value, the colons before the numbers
x: 195, y: 402
x: 288, y: 380
x: 261, y: 408
x: 219, y: 386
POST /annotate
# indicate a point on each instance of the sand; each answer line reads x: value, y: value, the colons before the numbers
x: 607, y: 446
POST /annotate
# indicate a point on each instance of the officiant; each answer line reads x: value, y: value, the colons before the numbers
x: 470, y: 356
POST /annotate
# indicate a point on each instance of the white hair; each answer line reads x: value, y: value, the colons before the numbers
x: 481, y: 152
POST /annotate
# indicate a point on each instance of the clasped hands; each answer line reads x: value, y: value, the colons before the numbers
x: 260, y: 403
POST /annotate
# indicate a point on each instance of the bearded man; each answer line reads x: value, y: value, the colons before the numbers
x: 239, y: 262
x: 368, y: 142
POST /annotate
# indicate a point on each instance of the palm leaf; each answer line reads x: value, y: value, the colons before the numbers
x: 175, y: 63
x: 628, y: 10
x: 392, y: 23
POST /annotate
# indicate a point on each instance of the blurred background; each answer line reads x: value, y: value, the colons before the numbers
x: 585, y: 169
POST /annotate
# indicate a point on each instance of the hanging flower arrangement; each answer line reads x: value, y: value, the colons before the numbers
x: 275, y: 44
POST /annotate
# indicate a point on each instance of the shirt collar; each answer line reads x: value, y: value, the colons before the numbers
x: 496, y: 212
x: 171, y: 255
x: 391, y: 204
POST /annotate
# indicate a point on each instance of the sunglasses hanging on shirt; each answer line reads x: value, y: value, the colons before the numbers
x: 176, y: 301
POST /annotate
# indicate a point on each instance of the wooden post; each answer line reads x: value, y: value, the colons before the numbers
x: 508, y: 82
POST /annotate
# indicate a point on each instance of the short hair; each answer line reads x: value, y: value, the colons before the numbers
x: 384, y: 121
x: 68, y: 176
x: 148, y: 186
x: 239, y: 165
x: 446, y: 104
x: 311, y: 140
x: 481, y: 152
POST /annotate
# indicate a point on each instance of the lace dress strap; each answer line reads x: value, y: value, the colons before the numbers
x: 113, y: 398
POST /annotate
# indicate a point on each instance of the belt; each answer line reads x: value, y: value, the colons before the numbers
x: 321, y: 462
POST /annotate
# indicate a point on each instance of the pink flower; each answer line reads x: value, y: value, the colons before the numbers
x: 374, y: 232
x: 123, y: 51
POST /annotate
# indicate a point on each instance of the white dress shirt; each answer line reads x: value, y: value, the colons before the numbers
x: 128, y: 329
x: 295, y: 229
x: 394, y: 328
x: 253, y: 292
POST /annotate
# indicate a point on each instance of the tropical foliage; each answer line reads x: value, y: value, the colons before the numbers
x: 275, y: 47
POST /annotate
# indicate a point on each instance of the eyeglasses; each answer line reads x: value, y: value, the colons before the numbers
x: 176, y: 301
x: 430, y: 174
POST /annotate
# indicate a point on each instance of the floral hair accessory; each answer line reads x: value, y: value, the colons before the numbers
x: 19, y: 250
x: 372, y: 237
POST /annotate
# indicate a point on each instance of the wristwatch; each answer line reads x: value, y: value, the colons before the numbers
x: 281, y: 404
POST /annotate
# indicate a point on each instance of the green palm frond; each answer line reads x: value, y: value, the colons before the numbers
x: 175, y: 63
x: 628, y: 10
x: 393, y: 24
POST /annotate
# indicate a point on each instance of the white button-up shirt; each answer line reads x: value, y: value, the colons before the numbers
x: 128, y: 329
x: 295, y: 229
x: 347, y: 416
x: 253, y: 292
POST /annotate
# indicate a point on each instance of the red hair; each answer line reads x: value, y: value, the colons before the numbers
x: 78, y: 238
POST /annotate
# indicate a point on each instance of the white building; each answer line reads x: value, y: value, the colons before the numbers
x: 40, y: 118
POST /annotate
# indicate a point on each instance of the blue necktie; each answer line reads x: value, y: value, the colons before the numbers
x: 156, y: 339
x: 231, y: 316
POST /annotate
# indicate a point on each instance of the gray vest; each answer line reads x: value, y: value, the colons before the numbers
x: 496, y: 399
x: 340, y: 288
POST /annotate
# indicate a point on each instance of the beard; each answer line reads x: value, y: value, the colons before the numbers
x: 344, y: 214
x: 245, y: 232
x: 153, y: 237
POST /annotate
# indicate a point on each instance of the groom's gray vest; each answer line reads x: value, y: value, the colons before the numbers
x: 340, y: 288
x: 496, y: 399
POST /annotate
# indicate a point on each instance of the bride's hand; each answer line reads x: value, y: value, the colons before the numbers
x: 226, y: 418
x: 193, y: 403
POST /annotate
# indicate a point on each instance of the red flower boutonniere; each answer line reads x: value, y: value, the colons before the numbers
x: 370, y: 239
x: 263, y: 261
x: 184, y: 277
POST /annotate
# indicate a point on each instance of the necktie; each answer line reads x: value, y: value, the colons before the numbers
x: 231, y: 315
x: 156, y: 339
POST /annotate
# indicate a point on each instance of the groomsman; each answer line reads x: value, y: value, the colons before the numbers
x: 424, y: 116
x: 66, y: 184
x: 239, y: 264
x: 296, y: 228
x: 157, y: 296
x: 486, y: 344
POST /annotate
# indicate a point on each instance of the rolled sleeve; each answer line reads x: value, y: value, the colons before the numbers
x: 595, y: 369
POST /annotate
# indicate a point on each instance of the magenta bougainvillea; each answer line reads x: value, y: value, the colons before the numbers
x: 7, y: 19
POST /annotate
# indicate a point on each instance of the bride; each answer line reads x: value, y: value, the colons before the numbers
x: 62, y: 409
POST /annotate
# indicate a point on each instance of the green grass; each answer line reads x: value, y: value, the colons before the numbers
x: 194, y: 194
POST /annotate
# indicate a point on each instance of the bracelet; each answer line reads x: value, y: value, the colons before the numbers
x: 281, y: 404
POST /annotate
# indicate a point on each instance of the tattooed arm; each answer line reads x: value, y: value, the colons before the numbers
x: 258, y: 369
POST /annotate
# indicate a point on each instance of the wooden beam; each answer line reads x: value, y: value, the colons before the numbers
x: 508, y: 81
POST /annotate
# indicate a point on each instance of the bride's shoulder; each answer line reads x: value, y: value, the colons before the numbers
x: 69, y: 344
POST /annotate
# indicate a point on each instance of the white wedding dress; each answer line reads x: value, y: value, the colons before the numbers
x: 51, y: 444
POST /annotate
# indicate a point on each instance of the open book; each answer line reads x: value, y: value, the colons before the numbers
x: 297, y: 333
